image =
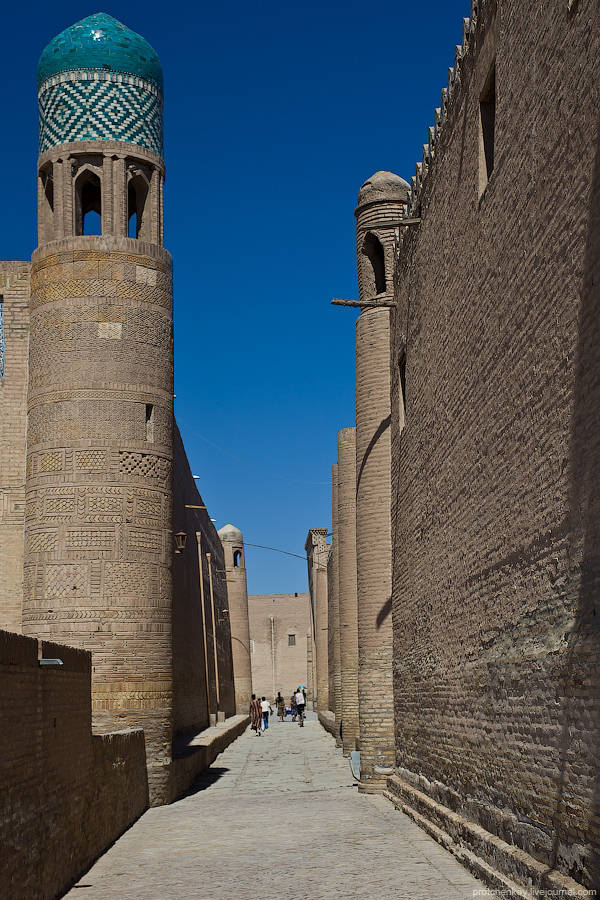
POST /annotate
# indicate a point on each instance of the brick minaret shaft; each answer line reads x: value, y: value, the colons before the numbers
x: 379, y: 209
x: 317, y: 551
x: 347, y: 587
x: 333, y: 601
x: 99, y: 539
x: 237, y: 600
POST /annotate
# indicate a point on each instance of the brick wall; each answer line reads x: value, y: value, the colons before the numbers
x: 495, y: 474
x: 277, y: 666
x: 317, y: 552
x: 190, y: 699
x: 54, y: 771
x: 348, y: 609
x: 14, y: 291
x: 333, y: 594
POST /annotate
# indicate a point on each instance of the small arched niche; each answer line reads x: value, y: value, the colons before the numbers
x: 88, y: 204
x: 237, y: 559
x: 137, y: 208
x: 373, y: 266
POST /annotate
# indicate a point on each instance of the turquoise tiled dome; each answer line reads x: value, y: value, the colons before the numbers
x: 100, y: 42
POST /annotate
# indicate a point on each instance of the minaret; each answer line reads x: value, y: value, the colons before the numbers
x: 237, y: 599
x: 99, y: 540
x: 348, y: 611
x: 317, y: 553
x: 333, y: 597
x: 380, y: 208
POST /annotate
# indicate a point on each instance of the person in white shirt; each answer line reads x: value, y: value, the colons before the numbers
x: 266, y: 709
x: 300, y: 703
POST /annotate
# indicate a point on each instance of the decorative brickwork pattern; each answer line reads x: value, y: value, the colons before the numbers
x: 42, y: 542
x: 130, y: 579
x: 2, y: 339
x: 14, y: 306
x: 92, y: 460
x: 145, y: 540
x: 89, y: 396
x: 89, y: 540
x: 145, y: 464
x: 65, y: 581
x: 100, y: 106
x: 51, y: 462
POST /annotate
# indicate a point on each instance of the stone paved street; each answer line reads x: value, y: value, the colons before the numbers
x: 276, y: 817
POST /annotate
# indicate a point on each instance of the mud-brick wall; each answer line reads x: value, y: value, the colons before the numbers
x: 496, y: 475
x: 194, y: 697
x: 66, y: 794
x: 14, y: 341
x: 277, y: 664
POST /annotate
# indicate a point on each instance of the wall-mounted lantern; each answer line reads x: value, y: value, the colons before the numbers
x: 180, y: 541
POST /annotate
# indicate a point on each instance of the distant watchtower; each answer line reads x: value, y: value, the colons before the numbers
x: 237, y: 597
x: 100, y: 429
x: 381, y: 202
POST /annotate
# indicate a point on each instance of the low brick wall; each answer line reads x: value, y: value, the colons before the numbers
x: 66, y: 794
x: 201, y: 750
x: 327, y: 720
x: 504, y: 867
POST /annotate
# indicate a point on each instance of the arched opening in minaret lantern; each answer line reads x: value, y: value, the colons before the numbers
x: 88, y: 204
x: 47, y: 202
x: 137, y: 214
x: 375, y: 265
x: 237, y: 558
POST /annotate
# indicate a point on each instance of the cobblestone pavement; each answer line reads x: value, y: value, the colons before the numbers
x: 276, y: 816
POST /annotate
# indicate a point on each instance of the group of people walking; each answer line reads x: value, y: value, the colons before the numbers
x: 261, y: 710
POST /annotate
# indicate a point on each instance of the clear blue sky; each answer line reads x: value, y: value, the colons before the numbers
x: 275, y: 113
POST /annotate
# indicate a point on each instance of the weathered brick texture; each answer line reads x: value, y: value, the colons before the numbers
x: 66, y: 794
x: 14, y: 297
x: 347, y: 587
x: 496, y: 472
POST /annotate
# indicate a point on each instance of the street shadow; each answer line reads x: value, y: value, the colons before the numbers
x: 205, y: 780
x: 383, y: 613
x: 580, y: 679
x: 381, y: 428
